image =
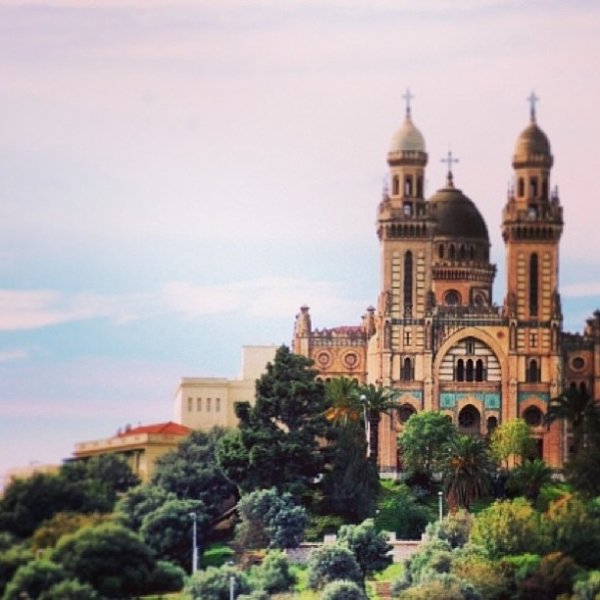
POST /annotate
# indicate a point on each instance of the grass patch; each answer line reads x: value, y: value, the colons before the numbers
x: 390, y: 573
x: 216, y: 554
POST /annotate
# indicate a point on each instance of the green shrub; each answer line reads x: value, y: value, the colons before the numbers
x: 213, y: 583
x: 587, y: 588
x: 331, y: 562
x: 342, y: 590
x: 32, y: 579
x: 166, y: 577
x: 370, y: 547
x: 274, y: 573
x: 402, y: 513
x: 70, y: 589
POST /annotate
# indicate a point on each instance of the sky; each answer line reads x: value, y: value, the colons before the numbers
x: 178, y: 178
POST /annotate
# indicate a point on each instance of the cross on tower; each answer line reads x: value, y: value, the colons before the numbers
x: 408, y: 97
x: 450, y: 160
x: 532, y: 99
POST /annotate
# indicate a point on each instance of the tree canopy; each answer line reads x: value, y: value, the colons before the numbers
x: 277, y: 444
x: 426, y: 434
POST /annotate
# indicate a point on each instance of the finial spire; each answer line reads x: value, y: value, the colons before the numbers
x: 408, y: 97
x: 532, y: 99
x: 450, y: 160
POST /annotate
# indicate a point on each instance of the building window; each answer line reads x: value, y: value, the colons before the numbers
x: 408, y: 186
x: 218, y: 404
x: 419, y: 186
x: 408, y: 283
x: 190, y: 405
x: 460, y: 370
x: 470, y: 346
x: 407, y: 208
x: 479, y: 370
x: 533, y: 285
x: 452, y: 253
x: 198, y: 404
x: 533, y: 187
x: 470, y: 370
x: 451, y: 298
x: 533, y: 416
x: 405, y: 412
x: 521, y: 187
x: 407, y: 338
x: 395, y: 185
x: 208, y: 403
x: 441, y: 251
x: 533, y: 339
x: 407, y: 373
x: 533, y: 374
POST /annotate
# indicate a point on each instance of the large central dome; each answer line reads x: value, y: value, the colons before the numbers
x: 456, y: 215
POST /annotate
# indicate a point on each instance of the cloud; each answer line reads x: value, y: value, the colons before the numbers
x: 260, y: 298
x: 10, y: 355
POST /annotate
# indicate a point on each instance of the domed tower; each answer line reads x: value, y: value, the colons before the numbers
x: 404, y: 230
x: 461, y: 272
x: 532, y: 225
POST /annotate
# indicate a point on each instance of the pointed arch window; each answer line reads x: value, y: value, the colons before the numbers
x: 460, y: 370
x: 407, y: 373
x: 479, y: 370
x: 470, y: 370
x: 533, y: 374
x: 533, y: 285
x: 408, y: 283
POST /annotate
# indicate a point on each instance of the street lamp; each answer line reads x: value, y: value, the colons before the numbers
x: 440, y: 506
x: 194, y: 542
x: 231, y: 583
x: 363, y: 401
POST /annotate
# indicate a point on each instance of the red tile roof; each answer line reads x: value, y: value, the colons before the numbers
x: 168, y: 428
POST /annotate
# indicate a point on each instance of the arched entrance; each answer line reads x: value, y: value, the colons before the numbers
x: 469, y: 420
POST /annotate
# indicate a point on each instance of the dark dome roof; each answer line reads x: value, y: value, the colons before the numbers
x: 456, y: 215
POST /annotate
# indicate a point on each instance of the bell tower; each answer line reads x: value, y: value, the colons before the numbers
x: 404, y: 229
x: 532, y: 225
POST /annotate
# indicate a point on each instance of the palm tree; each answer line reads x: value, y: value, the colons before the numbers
x: 376, y: 400
x: 529, y: 478
x: 579, y: 410
x: 467, y: 470
x: 344, y: 402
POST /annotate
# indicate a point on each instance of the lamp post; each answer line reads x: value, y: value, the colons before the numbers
x: 194, y: 542
x: 363, y: 401
x: 440, y: 505
x: 231, y: 583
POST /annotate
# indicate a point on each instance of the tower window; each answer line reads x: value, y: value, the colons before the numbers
x: 407, y: 338
x: 533, y: 187
x: 408, y: 185
x: 395, y: 185
x: 406, y: 373
x: 441, y: 250
x: 521, y: 185
x: 533, y: 285
x: 545, y: 188
x: 408, y: 283
x: 451, y: 298
x: 407, y: 208
x: 533, y: 339
x: 533, y: 374
x: 452, y: 253
x: 419, y: 186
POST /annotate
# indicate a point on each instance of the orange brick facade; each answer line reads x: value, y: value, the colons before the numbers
x: 436, y: 336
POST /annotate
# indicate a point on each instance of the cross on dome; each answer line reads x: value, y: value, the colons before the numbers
x: 408, y: 97
x: 532, y: 99
x: 450, y: 160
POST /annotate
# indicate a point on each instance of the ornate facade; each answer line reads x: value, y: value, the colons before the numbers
x: 436, y: 335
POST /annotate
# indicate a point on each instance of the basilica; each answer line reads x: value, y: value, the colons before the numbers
x: 436, y: 335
